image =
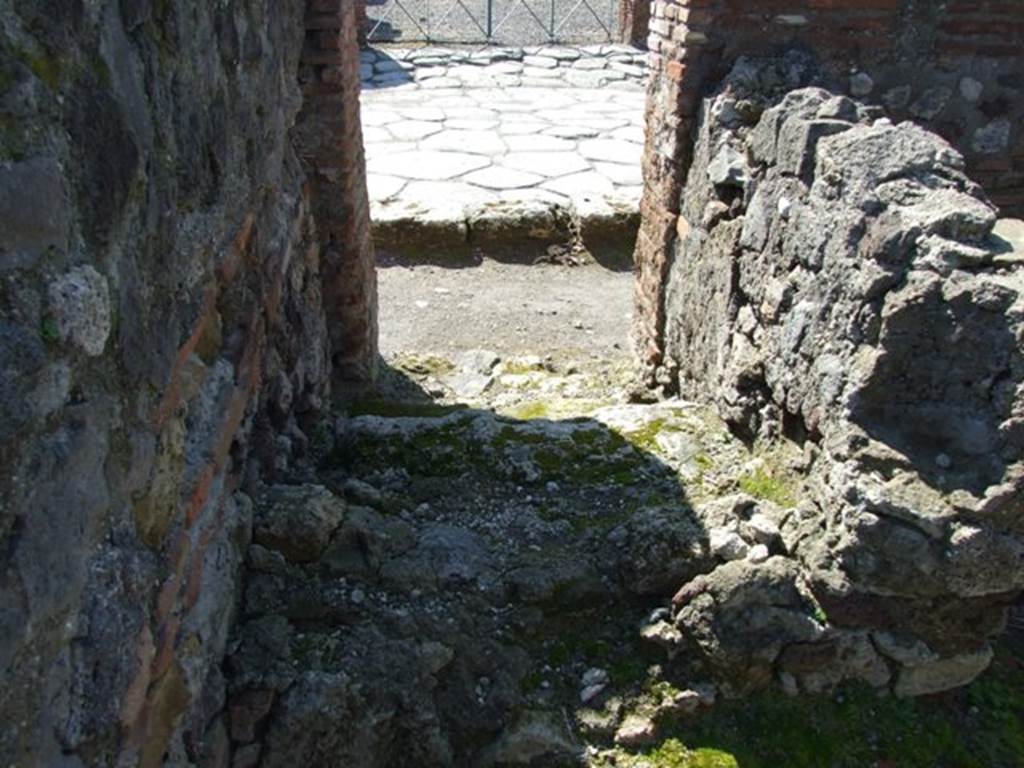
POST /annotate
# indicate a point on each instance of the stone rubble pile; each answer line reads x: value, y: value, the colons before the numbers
x: 466, y: 588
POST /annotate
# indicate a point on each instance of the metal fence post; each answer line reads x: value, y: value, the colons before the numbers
x: 551, y: 30
x: 490, y: 20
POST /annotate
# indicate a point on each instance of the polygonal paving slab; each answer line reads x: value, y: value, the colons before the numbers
x: 495, y: 177
x: 426, y: 165
x: 477, y: 142
x: 505, y: 140
x: 547, y: 164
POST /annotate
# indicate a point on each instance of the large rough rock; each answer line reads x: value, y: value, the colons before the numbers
x: 836, y: 283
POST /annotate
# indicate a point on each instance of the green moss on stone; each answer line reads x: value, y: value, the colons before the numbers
x: 979, y: 727
x: 674, y: 754
x: 537, y: 409
x: 46, y: 67
x: 49, y: 331
x: 768, y: 485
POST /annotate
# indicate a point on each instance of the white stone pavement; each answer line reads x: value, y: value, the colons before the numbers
x: 455, y: 140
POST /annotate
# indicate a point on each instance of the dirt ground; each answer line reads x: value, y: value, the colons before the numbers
x: 510, y: 308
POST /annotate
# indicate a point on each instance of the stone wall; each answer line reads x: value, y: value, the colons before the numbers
x: 165, y: 344
x: 955, y: 67
x: 835, y: 280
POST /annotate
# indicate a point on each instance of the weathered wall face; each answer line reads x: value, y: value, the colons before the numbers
x: 835, y: 278
x: 331, y: 147
x: 955, y: 67
x: 634, y: 21
x: 163, y: 342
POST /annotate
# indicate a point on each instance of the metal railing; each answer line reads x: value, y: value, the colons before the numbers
x: 490, y: 22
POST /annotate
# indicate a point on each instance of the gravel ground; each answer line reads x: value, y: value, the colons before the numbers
x: 515, y: 308
x: 513, y: 22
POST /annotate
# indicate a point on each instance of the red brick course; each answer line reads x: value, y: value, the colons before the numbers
x: 331, y: 148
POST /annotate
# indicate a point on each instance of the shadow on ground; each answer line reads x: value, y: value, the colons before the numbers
x: 388, y: 72
x: 485, y: 572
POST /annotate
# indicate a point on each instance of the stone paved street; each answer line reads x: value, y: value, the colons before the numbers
x: 455, y: 136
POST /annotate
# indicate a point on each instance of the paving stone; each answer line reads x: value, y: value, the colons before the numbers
x: 477, y: 142
x: 572, y: 131
x: 628, y: 68
x: 588, y: 184
x: 470, y: 113
x: 426, y: 164
x: 430, y: 53
x: 497, y: 54
x: 620, y: 174
x: 560, y: 53
x: 425, y: 73
x: 372, y: 135
x: 633, y: 133
x: 549, y: 164
x: 365, y: 71
x: 431, y: 114
x: 509, y: 108
x: 586, y: 78
x: 502, y: 178
x: 454, y: 192
x: 473, y: 125
x: 392, y: 78
x: 603, y: 123
x: 463, y: 136
x: 600, y: 105
x: 553, y: 82
x: 381, y: 187
x: 621, y: 85
x: 414, y: 130
x: 504, y: 68
x: 390, y: 65
x: 521, y: 129
x: 611, y: 150
x: 442, y: 101
x: 378, y: 117
x: 545, y: 62
x: 439, y: 82
x: 539, y: 144
x: 547, y: 74
x: 482, y: 58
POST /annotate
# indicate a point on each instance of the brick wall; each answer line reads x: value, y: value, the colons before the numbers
x: 331, y: 147
x: 634, y: 21
x: 955, y: 66
x: 360, y: 6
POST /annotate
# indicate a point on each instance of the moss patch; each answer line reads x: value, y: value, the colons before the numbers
x: 537, y: 409
x: 979, y: 727
x: 44, y: 66
x: 424, y: 365
x: 674, y: 754
x: 771, y: 485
